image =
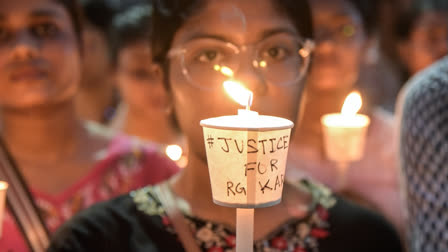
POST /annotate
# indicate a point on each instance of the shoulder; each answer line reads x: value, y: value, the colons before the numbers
x: 432, y: 80
x: 121, y: 224
x: 359, y: 229
x: 93, y: 228
x: 351, y: 227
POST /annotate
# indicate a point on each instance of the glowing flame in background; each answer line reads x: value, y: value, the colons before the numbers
x: 174, y: 152
x: 352, y: 104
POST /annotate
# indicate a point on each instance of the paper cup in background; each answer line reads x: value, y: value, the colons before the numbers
x: 344, y: 141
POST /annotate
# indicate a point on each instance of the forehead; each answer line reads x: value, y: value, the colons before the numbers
x: 334, y: 9
x: 238, y: 21
x: 19, y: 10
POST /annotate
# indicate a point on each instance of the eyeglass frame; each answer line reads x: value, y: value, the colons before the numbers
x: 308, y: 46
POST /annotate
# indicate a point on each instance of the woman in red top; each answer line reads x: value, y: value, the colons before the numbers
x: 67, y: 164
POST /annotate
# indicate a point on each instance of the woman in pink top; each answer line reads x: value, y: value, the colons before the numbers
x: 67, y: 164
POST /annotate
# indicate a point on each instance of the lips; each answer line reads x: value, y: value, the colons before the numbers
x: 27, y: 73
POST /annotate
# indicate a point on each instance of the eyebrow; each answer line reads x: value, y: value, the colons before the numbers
x: 206, y: 36
x: 272, y: 32
x: 264, y: 35
x: 45, y: 13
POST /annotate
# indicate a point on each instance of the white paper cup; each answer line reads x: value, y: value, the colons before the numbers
x: 344, y: 140
x: 247, y: 160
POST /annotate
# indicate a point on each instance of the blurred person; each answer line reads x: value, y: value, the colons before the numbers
x: 422, y: 31
x: 379, y: 76
x: 97, y: 97
x: 190, y: 38
x: 66, y: 164
x: 423, y: 109
x: 145, y: 110
x: 342, y: 31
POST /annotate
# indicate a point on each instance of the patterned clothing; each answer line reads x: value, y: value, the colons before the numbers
x: 138, y: 223
x: 424, y: 158
x: 127, y: 166
x: 295, y: 235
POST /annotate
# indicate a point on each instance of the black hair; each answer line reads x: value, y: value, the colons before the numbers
x: 99, y: 13
x: 74, y: 11
x: 369, y: 11
x: 170, y: 15
x: 128, y: 27
x: 408, y: 18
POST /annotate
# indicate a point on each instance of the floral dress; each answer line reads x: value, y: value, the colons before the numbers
x: 297, y: 235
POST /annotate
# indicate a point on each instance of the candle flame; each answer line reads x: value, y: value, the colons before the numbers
x: 239, y: 93
x: 352, y: 104
x: 3, y: 185
x: 174, y: 152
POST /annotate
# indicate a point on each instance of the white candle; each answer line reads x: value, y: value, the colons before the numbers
x: 246, y: 156
x: 3, y: 189
x: 244, y: 229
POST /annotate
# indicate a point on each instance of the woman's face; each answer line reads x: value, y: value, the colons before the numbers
x: 428, y: 41
x: 140, y: 80
x: 340, y: 39
x: 238, y: 22
x: 39, y: 54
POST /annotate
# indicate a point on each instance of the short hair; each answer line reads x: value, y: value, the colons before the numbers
x: 128, y: 27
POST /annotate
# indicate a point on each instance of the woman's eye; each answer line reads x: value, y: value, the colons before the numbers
x: 208, y: 56
x: 276, y: 53
x: 45, y: 30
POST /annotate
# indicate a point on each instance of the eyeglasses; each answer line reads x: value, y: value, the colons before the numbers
x: 280, y: 59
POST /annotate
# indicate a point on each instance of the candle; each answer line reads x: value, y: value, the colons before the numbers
x: 344, y: 133
x: 3, y: 189
x: 246, y: 155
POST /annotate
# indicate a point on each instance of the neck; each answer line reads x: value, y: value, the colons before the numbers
x: 155, y: 127
x: 41, y: 133
x: 92, y: 102
x: 193, y: 185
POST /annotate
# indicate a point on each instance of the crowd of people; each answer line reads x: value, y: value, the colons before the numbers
x: 96, y: 91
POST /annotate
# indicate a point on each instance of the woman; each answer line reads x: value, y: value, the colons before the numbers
x: 145, y: 111
x: 67, y: 164
x: 97, y: 98
x: 341, y: 36
x: 190, y: 40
